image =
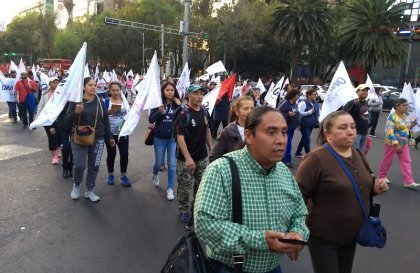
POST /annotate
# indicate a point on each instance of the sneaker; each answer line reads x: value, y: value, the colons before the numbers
x: 125, y: 181
x: 155, y: 179
x: 66, y: 173
x: 14, y: 121
x: 59, y: 154
x: 55, y: 160
x: 170, y: 194
x: 300, y: 156
x: 375, y: 136
x: 412, y: 185
x: 75, y: 193
x: 110, y: 180
x: 91, y: 196
x: 185, y: 216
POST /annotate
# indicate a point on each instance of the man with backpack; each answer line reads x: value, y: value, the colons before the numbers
x: 192, y: 134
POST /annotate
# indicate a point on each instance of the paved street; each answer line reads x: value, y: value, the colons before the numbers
x: 133, y: 229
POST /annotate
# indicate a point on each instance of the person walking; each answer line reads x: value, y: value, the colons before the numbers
x: 52, y: 131
x: 24, y: 89
x: 375, y: 108
x: 164, y: 138
x: 192, y: 135
x: 309, y: 113
x: 289, y: 109
x: 117, y: 108
x: 11, y: 103
x: 64, y: 132
x: 232, y: 137
x: 272, y: 205
x: 359, y: 110
x: 335, y: 216
x: 92, y: 112
x: 397, y: 133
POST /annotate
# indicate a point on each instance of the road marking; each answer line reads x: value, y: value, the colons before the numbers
x: 12, y: 151
x: 4, y: 115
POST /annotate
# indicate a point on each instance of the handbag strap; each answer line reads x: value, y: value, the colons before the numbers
x: 352, y: 180
x: 238, y: 260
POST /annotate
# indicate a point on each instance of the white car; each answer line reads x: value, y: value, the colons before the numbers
x: 321, y: 93
x: 384, y: 88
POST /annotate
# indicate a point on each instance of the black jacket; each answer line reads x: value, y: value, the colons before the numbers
x: 228, y: 141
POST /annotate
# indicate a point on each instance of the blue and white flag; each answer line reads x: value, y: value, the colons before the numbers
x: 184, y: 81
x: 69, y: 89
x: 7, y: 89
x: 339, y: 93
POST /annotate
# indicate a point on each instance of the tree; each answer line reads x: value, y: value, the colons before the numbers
x: 366, y: 33
x: 301, y: 24
x: 67, y: 44
x: 69, y: 5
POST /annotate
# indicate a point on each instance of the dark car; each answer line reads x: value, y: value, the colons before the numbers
x: 388, y: 98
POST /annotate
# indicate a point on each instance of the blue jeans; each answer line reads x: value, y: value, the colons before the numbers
x: 169, y: 145
x: 360, y: 142
x: 12, y: 109
x: 287, y: 158
x: 219, y: 267
x: 305, y: 141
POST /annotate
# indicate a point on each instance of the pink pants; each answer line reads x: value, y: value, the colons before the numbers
x: 403, y: 158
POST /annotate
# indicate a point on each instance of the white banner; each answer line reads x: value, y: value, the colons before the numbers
x: 44, y: 80
x: 36, y: 78
x: 408, y: 94
x: 216, y: 68
x: 261, y: 86
x: 69, y: 89
x: 14, y: 67
x: 372, y: 93
x: 271, y: 97
x: 184, y: 81
x: 416, y: 128
x: 339, y: 92
x: 96, y: 73
x: 114, y: 76
x: 149, y: 83
x: 130, y: 73
x: 106, y: 77
x: 7, y: 87
x: 86, y: 72
x: 22, y: 67
x: 2, y: 75
x: 209, y: 100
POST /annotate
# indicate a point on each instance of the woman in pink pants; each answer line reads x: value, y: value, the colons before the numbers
x: 397, y: 132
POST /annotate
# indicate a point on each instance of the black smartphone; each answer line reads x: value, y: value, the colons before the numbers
x: 294, y: 242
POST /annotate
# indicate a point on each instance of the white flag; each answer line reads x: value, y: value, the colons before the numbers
x: 36, y: 78
x: 272, y: 85
x: 184, y: 81
x: 154, y: 97
x: 209, y: 100
x: 114, y: 76
x: 372, y: 93
x: 130, y: 73
x: 14, y: 67
x: 96, y: 73
x: 204, y: 77
x: 2, y: 75
x: 261, y: 86
x: 22, y: 67
x: 339, y: 92
x: 139, y: 103
x: 271, y: 97
x: 216, y: 68
x: 69, y: 89
x: 416, y: 128
x: 408, y: 94
x: 44, y: 81
x: 135, y: 82
x: 7, y: 89
x: 107, y: 78
x: 86, y: 72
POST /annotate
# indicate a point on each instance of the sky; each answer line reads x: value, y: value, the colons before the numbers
x: 10, y: 8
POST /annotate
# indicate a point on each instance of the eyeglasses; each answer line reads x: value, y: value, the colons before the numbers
x: 405, y: 104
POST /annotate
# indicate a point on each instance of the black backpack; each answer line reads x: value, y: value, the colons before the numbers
x: 178, y: 122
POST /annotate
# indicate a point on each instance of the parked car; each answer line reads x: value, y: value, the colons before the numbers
x: 320, y: 93
x: 388, y: 97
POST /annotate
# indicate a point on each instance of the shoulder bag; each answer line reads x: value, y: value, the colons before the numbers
x: 372, y: 233
x: 188, y: 255
x: 85, y: 134
x: 149, y: 139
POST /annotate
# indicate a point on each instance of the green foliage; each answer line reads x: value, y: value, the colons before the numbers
x: 67, y: 44
x: 366, y: 35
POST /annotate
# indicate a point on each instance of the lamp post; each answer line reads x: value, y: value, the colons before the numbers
x: 186, y: 31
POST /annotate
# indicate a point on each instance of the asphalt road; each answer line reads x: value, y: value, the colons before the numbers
x: 133, y: 229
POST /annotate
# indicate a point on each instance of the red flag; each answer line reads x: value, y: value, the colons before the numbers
x: 227, y: 87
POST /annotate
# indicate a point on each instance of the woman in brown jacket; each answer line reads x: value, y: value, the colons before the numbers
x: 335, y: 216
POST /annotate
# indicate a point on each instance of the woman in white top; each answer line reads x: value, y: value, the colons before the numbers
x: 52, y: 130
x: 118, y: 108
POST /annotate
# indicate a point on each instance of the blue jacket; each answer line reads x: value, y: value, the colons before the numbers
x: 312, y: 119
x: 221, y: 111
x: 164, y: 121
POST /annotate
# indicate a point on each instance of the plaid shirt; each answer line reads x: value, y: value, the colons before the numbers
x: 271, y: 200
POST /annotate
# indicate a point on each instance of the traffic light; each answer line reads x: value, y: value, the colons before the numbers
x: 13, y: 54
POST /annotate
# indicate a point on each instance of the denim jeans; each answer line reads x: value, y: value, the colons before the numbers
x: 67, y: 155
x: 23, y: 113
x: 360, y: 142
x: 373, y: 121
x: 219, y: 267
x: 305, y: 141
x: 287, y: 158
x: 169, y: 145
x: 12, y: 109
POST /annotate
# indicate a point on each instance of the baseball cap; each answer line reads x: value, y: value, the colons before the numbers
x: 362, y: 86
x: 51, y: 79
x: 194, y: 88
x: 23, y: 72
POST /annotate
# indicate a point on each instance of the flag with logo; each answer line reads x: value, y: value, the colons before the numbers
x: 184, y: 81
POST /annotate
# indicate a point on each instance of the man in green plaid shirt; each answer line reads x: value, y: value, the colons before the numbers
x: 272, y: 205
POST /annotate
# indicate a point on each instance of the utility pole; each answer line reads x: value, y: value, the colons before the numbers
x: 186, y: 32
x: 142, y: 56
x: 162, y: 34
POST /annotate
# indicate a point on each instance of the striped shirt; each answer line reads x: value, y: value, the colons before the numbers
x: 271, y: 200
x: 397, y: 130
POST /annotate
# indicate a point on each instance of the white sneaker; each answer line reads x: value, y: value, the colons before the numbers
x: 75, y: 193
x: 91, y: 196
x: 170, y: 194
x: 155, y: 179
x: 412, y: 185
